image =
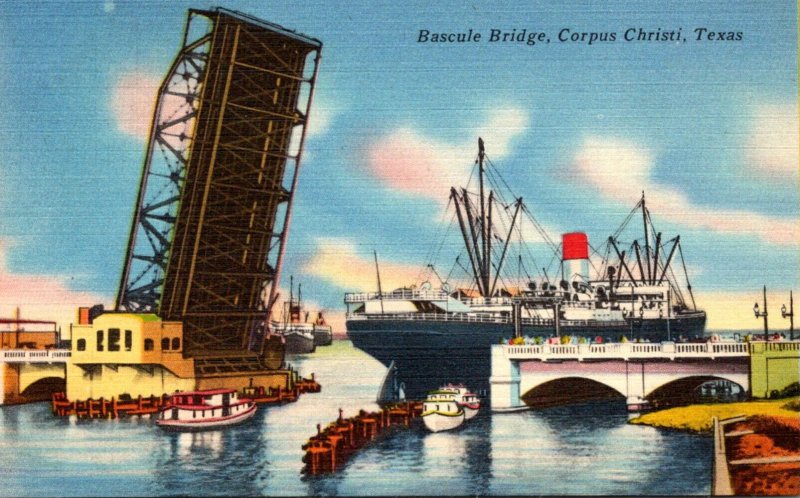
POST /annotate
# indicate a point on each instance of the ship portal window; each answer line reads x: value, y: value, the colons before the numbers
x: 176, y: 343
x: 148, y: 344
x: 128, y: 340
x: 99, y: 340
x: 165, y: 344
x: 113, y: 339
x: 81, y: 345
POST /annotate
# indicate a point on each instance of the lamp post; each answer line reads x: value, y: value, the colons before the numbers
x: 790, y: 314
x: 763, y: 314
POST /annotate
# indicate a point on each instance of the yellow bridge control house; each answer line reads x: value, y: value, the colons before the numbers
x: 138, y: 351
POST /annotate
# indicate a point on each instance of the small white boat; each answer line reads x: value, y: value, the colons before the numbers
x: 468, y: 401
x: 440, y: 412
x: 203, y: 410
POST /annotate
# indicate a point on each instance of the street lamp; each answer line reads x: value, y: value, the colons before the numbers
x: 790, y: 314
x: 763, y: 314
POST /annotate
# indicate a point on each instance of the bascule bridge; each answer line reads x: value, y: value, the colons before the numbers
x: 214, y: 205
x: 210, y: 226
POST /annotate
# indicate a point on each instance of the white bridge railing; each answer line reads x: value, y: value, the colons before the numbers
x: 35, y: 355
x: 626, y: 350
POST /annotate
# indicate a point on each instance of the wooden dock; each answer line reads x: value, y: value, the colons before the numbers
x: 116, y: 407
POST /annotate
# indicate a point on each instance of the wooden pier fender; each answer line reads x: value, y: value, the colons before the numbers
x: 332, y: 447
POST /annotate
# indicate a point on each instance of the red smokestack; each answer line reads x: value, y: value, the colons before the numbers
x: 575, y: 246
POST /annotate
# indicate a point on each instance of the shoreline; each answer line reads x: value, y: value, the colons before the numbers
x: 697, y: 418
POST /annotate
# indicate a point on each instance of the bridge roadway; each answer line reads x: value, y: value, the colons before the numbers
x: 634, y: 370
x: 35, y: 355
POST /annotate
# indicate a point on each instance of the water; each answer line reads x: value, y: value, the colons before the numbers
x: 586, y: 449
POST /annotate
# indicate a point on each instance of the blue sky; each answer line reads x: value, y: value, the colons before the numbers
x: 707, y: 128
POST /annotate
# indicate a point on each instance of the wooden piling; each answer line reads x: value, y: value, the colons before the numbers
x: 332, y: 446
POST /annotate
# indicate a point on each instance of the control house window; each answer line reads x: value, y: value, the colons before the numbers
x: 113, y: 339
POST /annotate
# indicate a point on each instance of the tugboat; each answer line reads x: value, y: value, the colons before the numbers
x: 497, y: 289
x: 440, y: 411
x: 205, y: 410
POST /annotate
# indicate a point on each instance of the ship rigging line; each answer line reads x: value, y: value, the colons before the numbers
x: 537, y: 225
x: 686, y: 274
x: 626, y: 221
x: 595, y: 252
x: 435, y: 251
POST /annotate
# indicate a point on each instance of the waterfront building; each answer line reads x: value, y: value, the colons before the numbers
x: 127, y: 353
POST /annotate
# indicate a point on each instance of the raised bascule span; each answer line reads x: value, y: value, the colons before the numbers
x: 214, y: 204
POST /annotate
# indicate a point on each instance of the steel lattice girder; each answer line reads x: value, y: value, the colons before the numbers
x: 222, y: 261
x: 163, y: 175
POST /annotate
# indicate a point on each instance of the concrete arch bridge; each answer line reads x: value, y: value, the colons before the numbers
x: 31, y: 374
x: 644, y: 374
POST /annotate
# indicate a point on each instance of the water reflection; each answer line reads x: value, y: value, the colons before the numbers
x: 586, y: 449
x: 185, y: 446
x: 212, y: 462
x: 478, y: 454
x: 590, y: 448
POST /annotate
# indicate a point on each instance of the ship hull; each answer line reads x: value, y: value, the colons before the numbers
x: 322, y: 335
x: 431, y: 353
x: 297, y: 343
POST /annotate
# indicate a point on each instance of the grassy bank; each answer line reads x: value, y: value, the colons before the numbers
x: 697, y: 418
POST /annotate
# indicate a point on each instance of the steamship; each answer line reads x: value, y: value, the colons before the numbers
x: 625, y: 290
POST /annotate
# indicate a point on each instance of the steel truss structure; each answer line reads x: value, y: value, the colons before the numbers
x: 214, y: 206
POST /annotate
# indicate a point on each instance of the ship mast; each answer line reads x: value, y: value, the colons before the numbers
x: 646, y: 241
x: 485, y: 228
x: 475, y: 221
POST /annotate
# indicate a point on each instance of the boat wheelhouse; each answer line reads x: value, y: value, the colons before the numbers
x: 466, y: 400
x: 441, y: 412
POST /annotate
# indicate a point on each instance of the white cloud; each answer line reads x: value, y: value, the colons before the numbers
x: 320, y: 118
x: 337, y: 260
x: 773, y: 143
x: 133, y: 102
x: 621, y: 170
x: 411, y: 162
x: 41, y: 297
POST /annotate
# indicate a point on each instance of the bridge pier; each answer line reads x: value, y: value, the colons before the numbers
x: 505, y: 383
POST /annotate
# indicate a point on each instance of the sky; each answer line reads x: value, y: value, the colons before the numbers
x: 707, y: 128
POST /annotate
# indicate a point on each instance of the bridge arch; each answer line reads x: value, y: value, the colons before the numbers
x: 43, y: 389
x: 568, y: 390
x: 684, y: 390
